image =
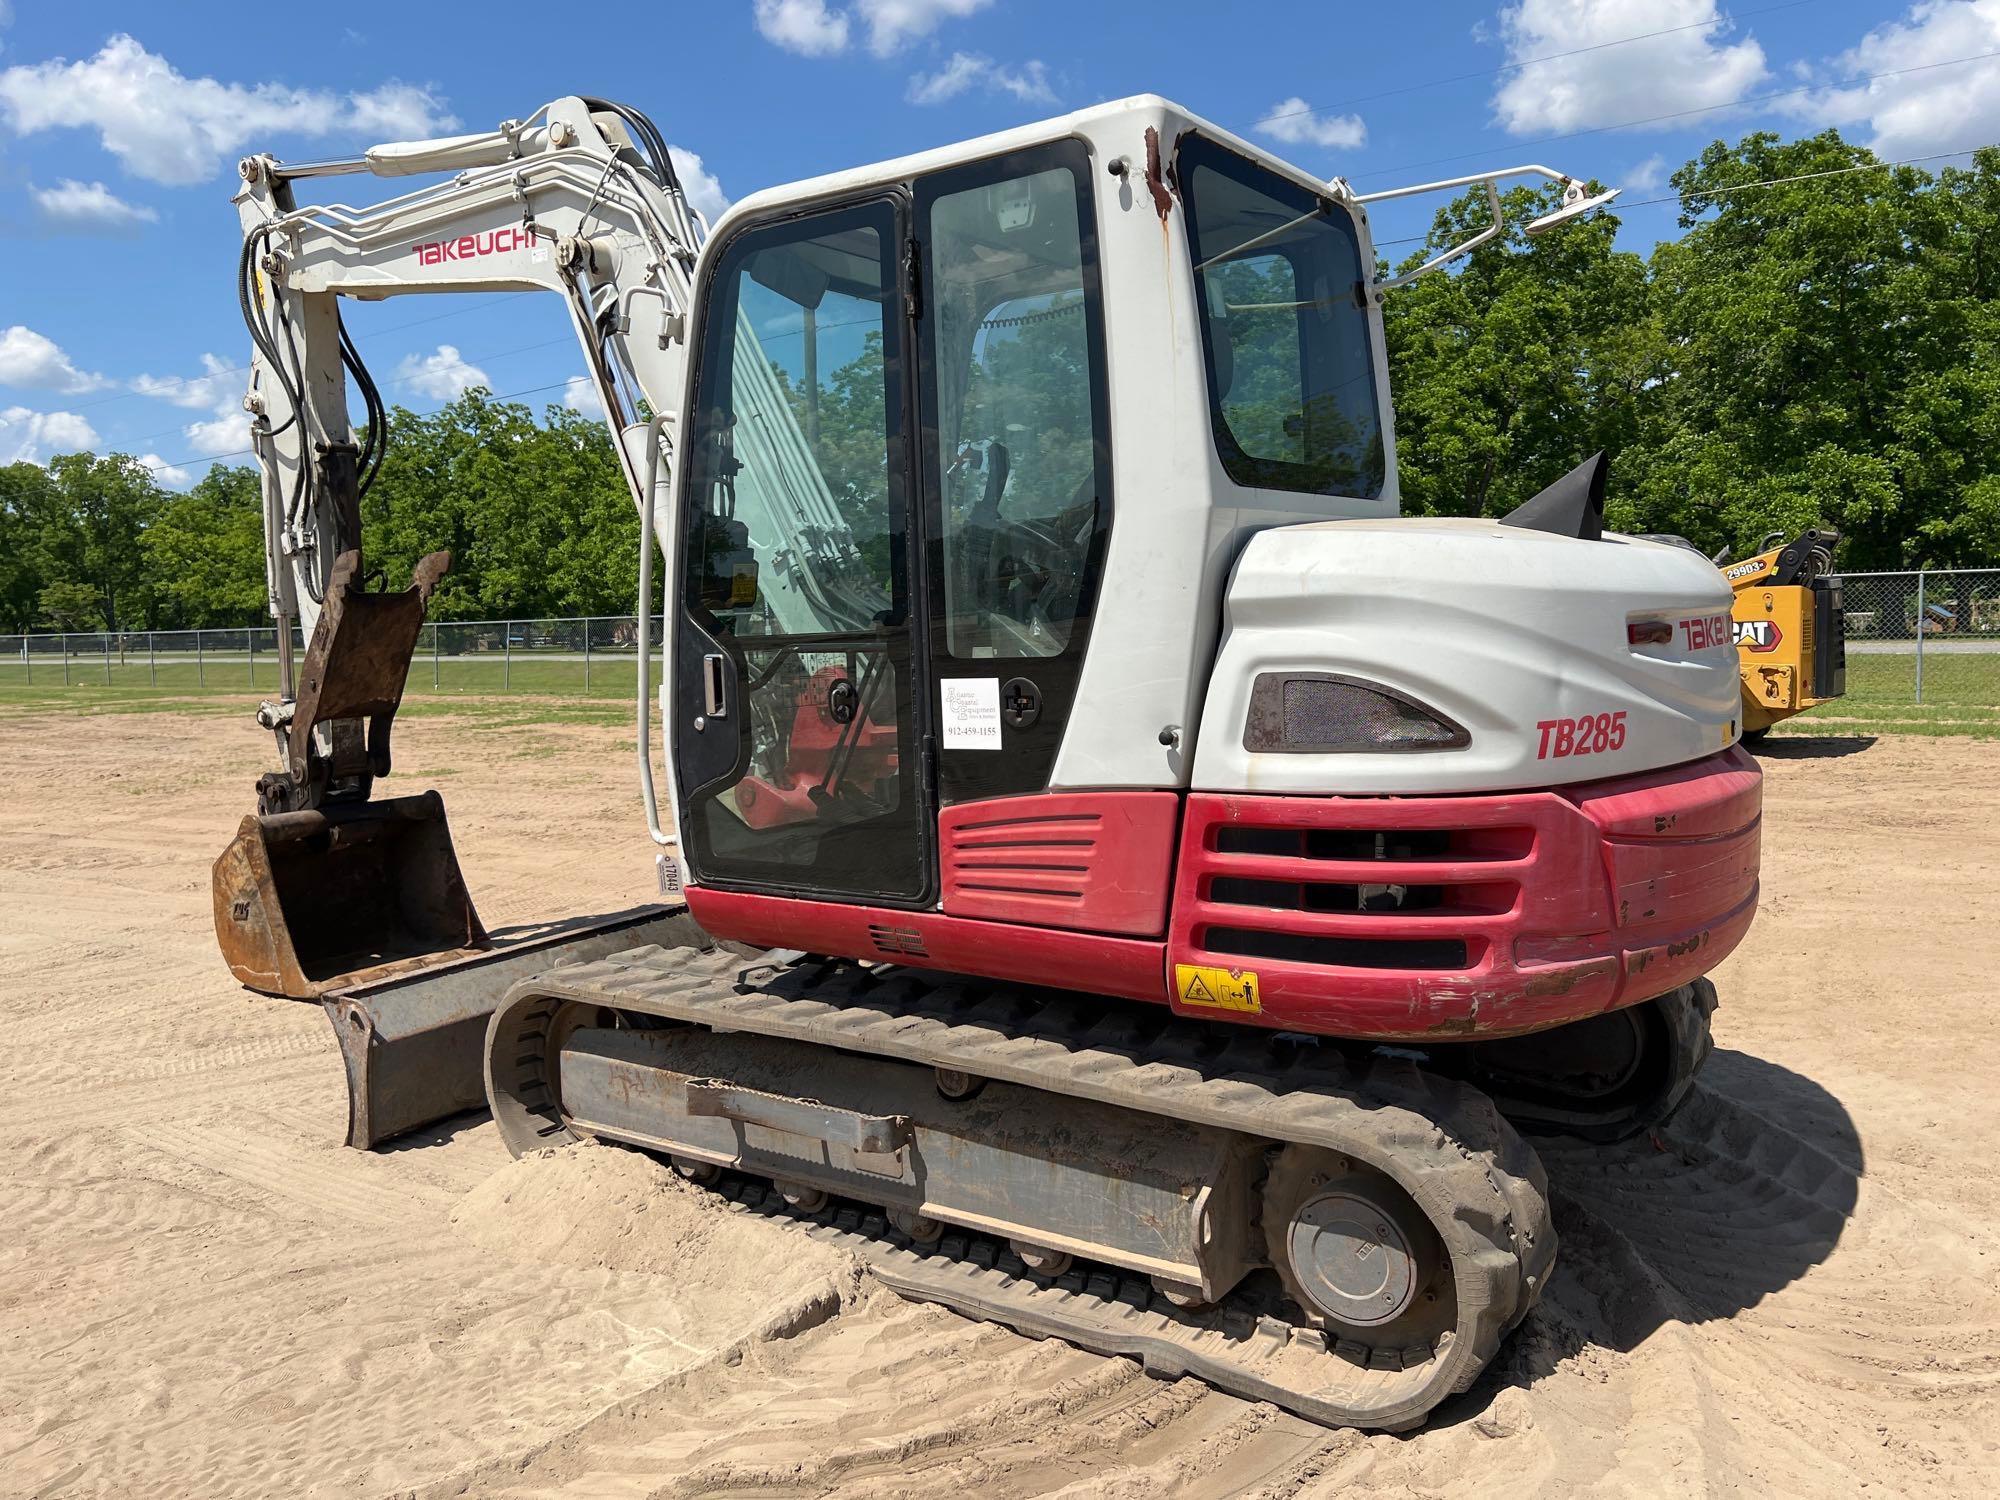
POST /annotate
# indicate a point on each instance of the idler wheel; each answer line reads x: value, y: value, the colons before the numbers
x: 1355, y: 1252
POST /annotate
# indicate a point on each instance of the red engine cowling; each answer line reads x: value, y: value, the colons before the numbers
x: 1376, y: 917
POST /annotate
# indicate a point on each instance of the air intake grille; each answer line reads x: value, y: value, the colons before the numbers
x: 1358, y: 897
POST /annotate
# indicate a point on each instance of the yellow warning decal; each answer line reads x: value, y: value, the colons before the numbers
x: 1217, y: 989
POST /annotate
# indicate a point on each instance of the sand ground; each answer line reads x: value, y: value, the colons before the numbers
x: 1795, y: 1290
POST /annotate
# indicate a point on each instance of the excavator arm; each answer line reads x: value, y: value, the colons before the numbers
x: 324, y: 893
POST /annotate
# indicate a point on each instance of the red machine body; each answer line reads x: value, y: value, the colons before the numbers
x: 1373, y: 917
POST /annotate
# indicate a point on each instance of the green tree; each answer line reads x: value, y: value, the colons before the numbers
x: 25, y: 491
x: 72, y: 606
x: 536, y: 515
x: 1834, y: 347
x: 89, y: 530
x: 1510, y: 369
x: 205, y: 552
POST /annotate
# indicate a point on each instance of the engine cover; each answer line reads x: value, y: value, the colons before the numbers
x: 1524, y: 641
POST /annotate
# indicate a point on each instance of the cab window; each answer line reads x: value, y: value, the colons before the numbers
x: 1284, y: 314
x: 1020, y: 451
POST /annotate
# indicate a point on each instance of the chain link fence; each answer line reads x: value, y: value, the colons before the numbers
x: 1926, y: 637
x: 1929, y: 637
x: 593, y: 657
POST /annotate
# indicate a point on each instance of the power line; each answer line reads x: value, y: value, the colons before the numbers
x: 204, y: 458
x: 1745, y: 187
x: 1724, y: 192
x: 1682, y: 114
x: 1515, y: 67
x: 456, y: 312
x: 1377, y: 172
x: 473, y: 359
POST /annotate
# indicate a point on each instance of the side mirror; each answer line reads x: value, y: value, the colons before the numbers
x: 1574, y: 205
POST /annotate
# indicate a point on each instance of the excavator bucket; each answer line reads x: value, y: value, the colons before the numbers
x: 311, y: 902
x: 324, y: 888
x: 327, y: 895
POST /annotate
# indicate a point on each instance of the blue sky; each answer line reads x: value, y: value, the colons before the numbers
x: 120, y: 126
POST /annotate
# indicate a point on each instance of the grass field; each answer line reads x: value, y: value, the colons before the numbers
x: 1961, y: 693
x: 564, y: 674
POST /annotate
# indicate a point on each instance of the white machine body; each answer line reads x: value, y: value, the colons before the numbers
x: 1208, y: 580
x: 1518, y: 636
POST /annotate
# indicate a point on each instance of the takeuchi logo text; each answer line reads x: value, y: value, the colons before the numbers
x: 472, y: 246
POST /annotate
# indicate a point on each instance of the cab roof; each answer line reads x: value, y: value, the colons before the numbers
x: 1101, y: 123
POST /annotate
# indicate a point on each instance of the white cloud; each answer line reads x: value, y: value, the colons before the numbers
x: 581, y: 396
x: 219, y: 392
x: 964, y: 70
x: 1938, y: 109
x: 440, y: 376
x: 1663, y: 75
x: 806, y: 27
x: 213, y: 390
x: 30, y: 360
x: 170, y: 128
x: 228, y: 433
x: 35, y: 436
x: 700, y: 184
x: 397, y: 112
x: 1293, y: 121
x: 894, y: 23
x: 89, y: 207
x: 171, y: 475
x: 1646, y: 176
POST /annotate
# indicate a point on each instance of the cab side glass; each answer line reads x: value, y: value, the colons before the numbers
x: 1017, y: 443
x: 1284, y: 313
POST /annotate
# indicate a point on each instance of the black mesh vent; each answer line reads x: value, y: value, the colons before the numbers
x: 1335, y: 952
x: 1322, y: 713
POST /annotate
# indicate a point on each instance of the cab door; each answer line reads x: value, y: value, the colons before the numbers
x: 799, y: 699
x: 1016, y: 457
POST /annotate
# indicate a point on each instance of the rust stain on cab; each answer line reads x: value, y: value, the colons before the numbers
x: 1156, y: 182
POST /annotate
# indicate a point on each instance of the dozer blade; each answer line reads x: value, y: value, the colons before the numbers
x: 315, y: 901
x: 413, y: 1036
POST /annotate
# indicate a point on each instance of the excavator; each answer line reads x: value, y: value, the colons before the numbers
x: 1116, y: 876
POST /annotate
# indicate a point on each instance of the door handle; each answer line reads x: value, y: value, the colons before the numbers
x: 714, y: 704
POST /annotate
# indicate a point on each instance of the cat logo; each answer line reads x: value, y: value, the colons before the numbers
x: 1758, y: 635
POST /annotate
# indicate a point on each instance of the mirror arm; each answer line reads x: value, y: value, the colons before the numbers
x: 1575, y: 201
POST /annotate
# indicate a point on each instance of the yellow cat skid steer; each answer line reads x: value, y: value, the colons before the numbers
x: 1791, y: 635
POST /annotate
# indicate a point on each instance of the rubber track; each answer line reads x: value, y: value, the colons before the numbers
x: 1443, y: 1141
x: 1686, y: 1015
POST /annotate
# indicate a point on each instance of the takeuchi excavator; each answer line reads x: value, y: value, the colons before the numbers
x: 1118, y: 877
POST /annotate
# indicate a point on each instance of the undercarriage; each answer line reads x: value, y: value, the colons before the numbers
x: 1340, y: 1229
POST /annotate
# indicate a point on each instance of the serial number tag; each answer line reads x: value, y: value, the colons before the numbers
x: 1592, y: 734
x: 1217, y: 989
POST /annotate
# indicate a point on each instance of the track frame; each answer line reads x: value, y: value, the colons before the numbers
x: 1442, y: 1141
